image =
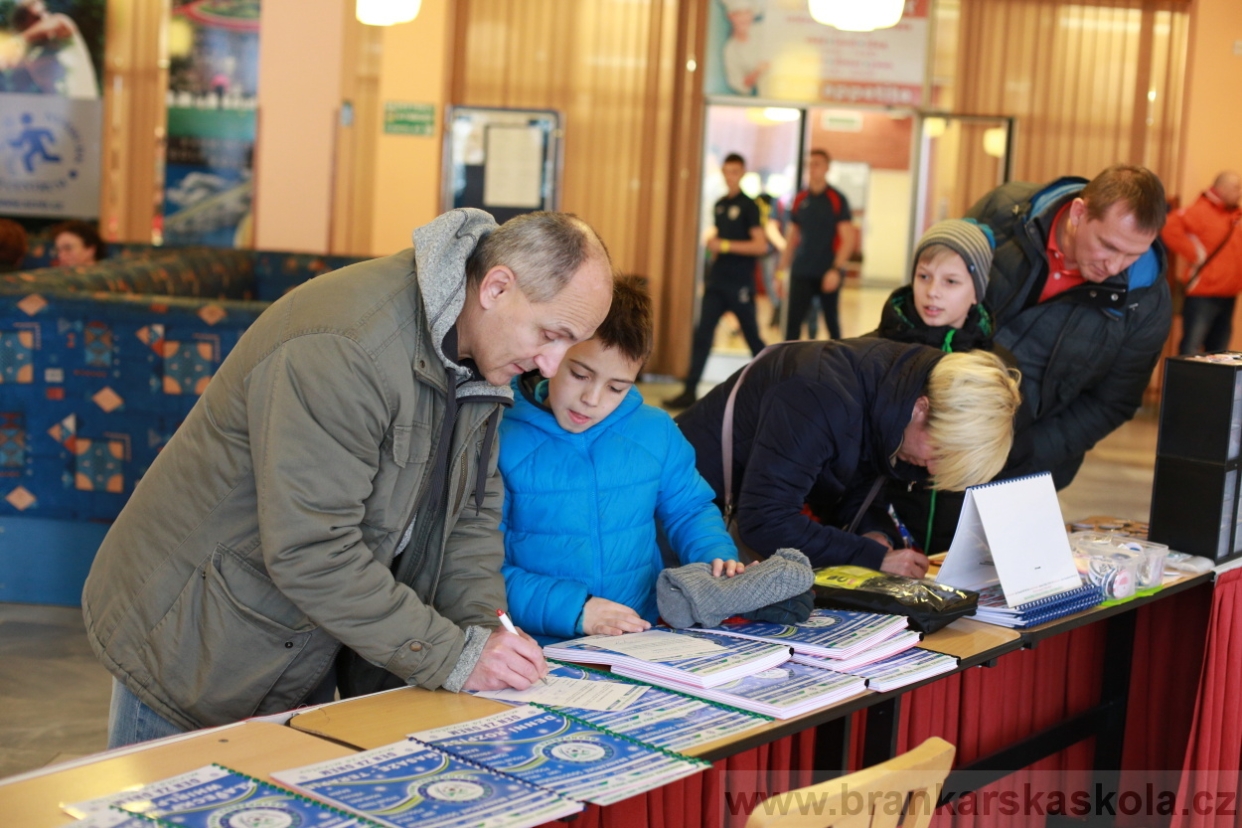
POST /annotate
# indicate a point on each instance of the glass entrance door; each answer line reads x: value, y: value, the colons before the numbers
x: 961, y: 159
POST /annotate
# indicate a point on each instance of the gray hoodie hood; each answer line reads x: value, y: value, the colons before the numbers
x: 441, y: 249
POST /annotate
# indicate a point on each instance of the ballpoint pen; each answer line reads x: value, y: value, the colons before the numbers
x: 906, y: 537
x: 508, y: 625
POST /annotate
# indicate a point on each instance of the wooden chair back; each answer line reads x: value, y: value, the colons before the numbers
x: 902, y: 791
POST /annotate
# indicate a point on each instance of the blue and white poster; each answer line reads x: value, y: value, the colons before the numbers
x: 774, y: 50
x: 51, y: 111
x: 212, y: 92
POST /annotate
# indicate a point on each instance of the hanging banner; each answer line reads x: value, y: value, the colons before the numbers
x: 51, y: 113
x: 212, y: 92
x: 775, y: 50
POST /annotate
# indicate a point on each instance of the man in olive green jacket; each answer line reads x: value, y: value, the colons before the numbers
x: 337, y: 485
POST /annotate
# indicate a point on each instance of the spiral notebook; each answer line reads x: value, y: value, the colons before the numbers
x: 994, y: 609
x: 1011, y: 533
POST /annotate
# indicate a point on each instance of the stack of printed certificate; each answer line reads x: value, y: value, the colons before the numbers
x: 515, y: 769
x: 890, y: 673
x: 783, y: 692
x: 835, y: 634
x: 657, y: 717
x: 409, y: 783
x: 689, y: 657
x: 563, y: 755
x: 214, y: 796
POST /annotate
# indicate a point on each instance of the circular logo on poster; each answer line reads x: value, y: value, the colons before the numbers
x: 455, y: 789
x: 248, y: 816
x: 41, y: 151
x: 818, y: 622
x: 573, y: 750
x: 774, y: 673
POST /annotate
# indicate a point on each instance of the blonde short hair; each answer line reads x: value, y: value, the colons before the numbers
x: 972, y: 398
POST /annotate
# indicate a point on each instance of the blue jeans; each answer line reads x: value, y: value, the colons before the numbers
x: 130, y: 721
x: 1207, y: 324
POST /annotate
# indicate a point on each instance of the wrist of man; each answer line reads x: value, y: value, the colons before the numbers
x: 476, y: 637
x: 724, y: 245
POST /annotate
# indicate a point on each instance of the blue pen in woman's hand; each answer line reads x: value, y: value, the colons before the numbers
x: 906, y: 537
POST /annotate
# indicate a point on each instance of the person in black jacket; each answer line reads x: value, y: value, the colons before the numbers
x: 1080, y: 300
x: 944, y: 307
x: 816, y: 424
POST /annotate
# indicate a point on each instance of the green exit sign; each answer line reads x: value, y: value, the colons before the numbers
x: 409, y: 118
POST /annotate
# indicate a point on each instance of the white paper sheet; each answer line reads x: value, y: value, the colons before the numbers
x: 655, y: 645
x: 567, y: 692
x: 513, y: 175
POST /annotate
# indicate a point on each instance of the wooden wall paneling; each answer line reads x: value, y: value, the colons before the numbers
x: 135, y: 113
x: 353, y: 187
x: 674, y: 326
x: 632, y: 112
x: 1143, y: 68
x: 1077, y: 77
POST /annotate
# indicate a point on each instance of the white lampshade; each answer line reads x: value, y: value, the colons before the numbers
x: 386, y: 12
x: 857, y: 15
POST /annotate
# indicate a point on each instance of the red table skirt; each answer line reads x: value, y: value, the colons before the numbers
x: 981, y: 711
x: 723, y: 796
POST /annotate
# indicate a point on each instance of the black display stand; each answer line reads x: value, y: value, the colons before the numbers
x: 1196, y: 506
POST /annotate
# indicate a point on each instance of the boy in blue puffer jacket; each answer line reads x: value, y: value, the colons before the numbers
x: 588, y: 468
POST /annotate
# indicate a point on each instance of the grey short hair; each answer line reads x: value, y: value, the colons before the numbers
x: 544, y: 250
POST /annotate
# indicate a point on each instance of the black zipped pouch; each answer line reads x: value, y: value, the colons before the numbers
x: 929, y: 605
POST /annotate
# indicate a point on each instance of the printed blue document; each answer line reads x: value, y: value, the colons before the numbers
x: 566, y: 756
x: 409, y: 783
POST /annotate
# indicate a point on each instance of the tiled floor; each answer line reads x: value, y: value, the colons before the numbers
x: 54, y: 695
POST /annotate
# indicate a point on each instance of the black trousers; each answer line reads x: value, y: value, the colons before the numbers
x: 717, y: 299
x: 801, y: 292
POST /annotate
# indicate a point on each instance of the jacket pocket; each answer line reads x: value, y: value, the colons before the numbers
x: 214, y: 656
x: 403, y: 462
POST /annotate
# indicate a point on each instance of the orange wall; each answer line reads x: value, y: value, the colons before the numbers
x: 299, y: 92
x: 407, y: 167
x: 883, y: 142
x: 1212, y: 119
x: 300, y: 88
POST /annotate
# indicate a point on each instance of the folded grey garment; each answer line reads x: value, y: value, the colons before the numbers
x: 689, y: 595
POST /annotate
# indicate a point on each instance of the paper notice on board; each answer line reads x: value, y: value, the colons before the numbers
x: 513, y: 171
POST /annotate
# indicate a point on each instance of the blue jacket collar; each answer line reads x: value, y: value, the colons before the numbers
x: 529, y: 408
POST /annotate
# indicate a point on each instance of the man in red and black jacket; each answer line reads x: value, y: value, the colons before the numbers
x: 820, y: 243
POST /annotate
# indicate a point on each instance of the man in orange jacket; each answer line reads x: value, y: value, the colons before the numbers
x: 1205, y: 235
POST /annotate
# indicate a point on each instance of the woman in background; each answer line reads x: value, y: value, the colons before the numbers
x: 78, y: 243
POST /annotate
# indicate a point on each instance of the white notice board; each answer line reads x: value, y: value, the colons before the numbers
x: 505, y: 161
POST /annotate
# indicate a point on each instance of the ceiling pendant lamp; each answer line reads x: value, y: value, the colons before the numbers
x: 857, y: 15
x: 386, y: 12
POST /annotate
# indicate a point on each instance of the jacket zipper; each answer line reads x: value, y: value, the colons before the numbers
x: 424, y: 534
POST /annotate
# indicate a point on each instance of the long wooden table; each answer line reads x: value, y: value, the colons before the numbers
x: 255, y: 748
x: 336, y: 730
x: 372, y: 721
